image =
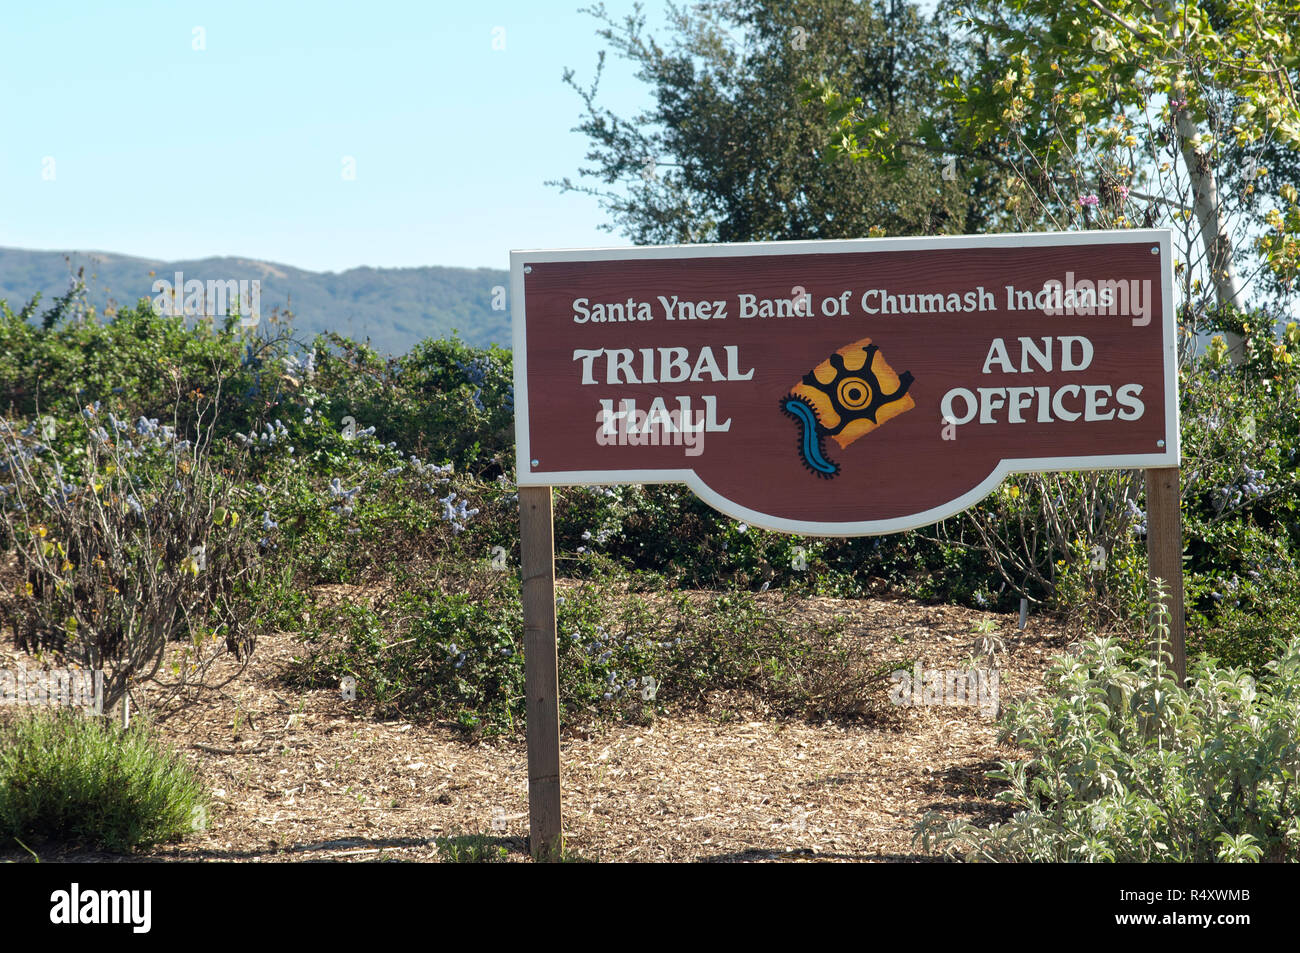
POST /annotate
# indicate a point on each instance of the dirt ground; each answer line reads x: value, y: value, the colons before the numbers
x: 311, y: 776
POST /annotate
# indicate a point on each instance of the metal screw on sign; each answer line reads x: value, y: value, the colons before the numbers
x: 1155, y: 249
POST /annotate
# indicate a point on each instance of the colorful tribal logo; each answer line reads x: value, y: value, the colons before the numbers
x: 845, y: 397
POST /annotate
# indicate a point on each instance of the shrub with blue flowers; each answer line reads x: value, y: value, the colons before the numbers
x: 127, y: 537
x: 451, y: 649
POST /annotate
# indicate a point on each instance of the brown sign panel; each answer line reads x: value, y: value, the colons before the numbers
x: 845, y: 387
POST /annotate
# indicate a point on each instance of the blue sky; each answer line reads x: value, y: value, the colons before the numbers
x: 162, y: 150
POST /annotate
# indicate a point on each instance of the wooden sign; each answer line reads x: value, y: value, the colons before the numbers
x: 835, y: 388
x: 846, y: 388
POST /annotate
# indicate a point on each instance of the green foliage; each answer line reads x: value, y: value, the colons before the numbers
x: 420, y: 651
x: 1117, y: 115
x: 452, y: 650
x: 444, y: 400
x: 1105, y: 589
x: 1042, y: 532
x: 83, y: 781
x: 667, y: 530
x: 61, y: 367
x: 1127, y: 765
x: 1241, y: 488
x: 471, y: 849
x: 131, y: 534
x: 731, y: 151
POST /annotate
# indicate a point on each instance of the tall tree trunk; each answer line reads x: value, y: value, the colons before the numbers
x: 1210, y: 218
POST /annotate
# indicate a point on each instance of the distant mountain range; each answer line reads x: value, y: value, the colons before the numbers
x: 393, y: 307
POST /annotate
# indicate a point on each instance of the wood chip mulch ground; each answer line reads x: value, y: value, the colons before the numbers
x: 299, y: 776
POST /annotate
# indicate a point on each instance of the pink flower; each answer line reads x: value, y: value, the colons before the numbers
x: 1087, y: 200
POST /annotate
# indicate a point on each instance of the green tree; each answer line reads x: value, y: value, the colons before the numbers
x: 1128, y: 112
x: 732, y: 150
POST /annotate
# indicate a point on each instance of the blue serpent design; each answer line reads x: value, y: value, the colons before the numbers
x: 810, y: 441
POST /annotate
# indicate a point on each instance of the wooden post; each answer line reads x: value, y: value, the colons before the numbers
x: 541, y: 672
x: 1165, y: 554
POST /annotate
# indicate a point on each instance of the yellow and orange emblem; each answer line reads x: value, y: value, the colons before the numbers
x: 845, y: 397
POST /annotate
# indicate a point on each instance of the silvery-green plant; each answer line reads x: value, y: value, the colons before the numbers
x: 1125, y: 764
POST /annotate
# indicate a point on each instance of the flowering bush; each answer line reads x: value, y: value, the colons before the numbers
x: 450, y: 648
x: 126, y: 537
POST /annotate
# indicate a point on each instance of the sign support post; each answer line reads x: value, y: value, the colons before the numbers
x: 1165, y: 557
x: 541, y: 672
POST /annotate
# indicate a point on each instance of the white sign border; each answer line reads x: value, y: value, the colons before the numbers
x: 527, y: 476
